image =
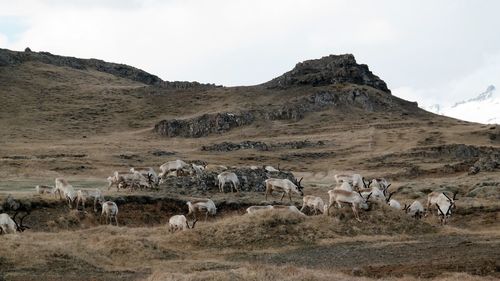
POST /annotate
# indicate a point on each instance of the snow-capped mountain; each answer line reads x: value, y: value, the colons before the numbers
x: 484, y: 108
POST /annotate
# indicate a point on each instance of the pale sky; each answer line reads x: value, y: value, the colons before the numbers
x: 426, y: 51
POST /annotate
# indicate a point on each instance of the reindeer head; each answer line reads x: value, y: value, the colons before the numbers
x: 365, y: 204
x: 299, y: 186
x: 444, y: 216
x: 192, y: 225
x: 388, y: 199
x: 406, y: 208
x: 451, y: 200
x: 20, y: 227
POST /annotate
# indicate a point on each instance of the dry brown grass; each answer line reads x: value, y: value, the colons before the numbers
x: 250, y: 272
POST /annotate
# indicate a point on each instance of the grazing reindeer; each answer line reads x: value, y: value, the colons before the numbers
x: 355, y: 199
x: 202, y: 205
x: 285, y: 186
x: 393, y: 203
x: 228, y: 177
x: 198, y: 169
x: 148, y: 173
x: 256, y: 209
x: 62, y: 188
x: 83, y: 195
x: 292, y: 209
x: 176, y: 165
x: 9, y: 225
x: 313, y: 202
x: 444, y: 204
x: 71, y: 197
x: 415, y: 210
x: 179, y: 222
x: 345, y: 185
x: 44, y: 189
x: 110, y: 212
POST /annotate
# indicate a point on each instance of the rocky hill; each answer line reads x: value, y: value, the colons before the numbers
x: 58, y: 113
x: 332, y: 69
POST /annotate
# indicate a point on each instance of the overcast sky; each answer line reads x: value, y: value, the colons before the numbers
x: 426, y: 51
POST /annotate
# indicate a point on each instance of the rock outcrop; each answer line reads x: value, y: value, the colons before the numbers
x: 333, y: 69
x: 203, y: 125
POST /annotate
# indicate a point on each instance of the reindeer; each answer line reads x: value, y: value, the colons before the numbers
x: 83, y: 195
x: 415, y: 210
x: 63, y: 188
x: 110, y: 212
x: 44, y: 189
x: 148, y: 173
x: 345, y: 185
x: 176, y: 165
x: 228, y: 177
x: 255, y: 209
x: 179, y: 222
x: 356, y: 180
x: 271, y: 169
x: 393, y: 203
x: 355, y: 199
x: 291, y: 208
x: 313, y: 202
x: 198, y: 169
x: 202, y: 205
x: 444, y: 204
x: 283, y: 185
x: 9, y: 225
x: 71, y: 196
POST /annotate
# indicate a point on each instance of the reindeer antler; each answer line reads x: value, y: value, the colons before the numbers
x: 447, y: 197
x: 364, y: 183
x: 439, y: 209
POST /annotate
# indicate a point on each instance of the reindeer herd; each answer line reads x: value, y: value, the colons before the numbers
x: 352, y: 190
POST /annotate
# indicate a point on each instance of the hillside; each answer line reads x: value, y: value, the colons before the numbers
x: 57, y: 105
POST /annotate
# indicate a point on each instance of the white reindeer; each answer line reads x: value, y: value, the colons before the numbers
x: 148, y: 173
x: 283, y: 185
x: 345, y: 185
x: 393, y: 203
x: 63, y: 188
x: 206, y: 206
x: 176, y: 165
x: 256, y: 209
x: 291, y: 208
x: 179, y: 222
x: 83, y: 195
x: 44, y: 189
x: 356, y: 180
x: 271, y: 169
x: 228, y: 177
x: 110, y: 212
x: 198, y: 169
x: 444, y: 204
x: 9, y: 225
x: 355, y: 199
x: 315, y: 203
x: 415, y: 210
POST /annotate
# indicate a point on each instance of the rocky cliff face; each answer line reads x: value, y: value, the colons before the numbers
x: 333, y: 69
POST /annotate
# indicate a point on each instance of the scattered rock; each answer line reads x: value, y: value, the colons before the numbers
x: 261, y: 146
x: 162, y: 153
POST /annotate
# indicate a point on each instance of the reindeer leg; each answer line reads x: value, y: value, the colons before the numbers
x: 290, y: 196
x: 355, y: 211
x: 282, y: 196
